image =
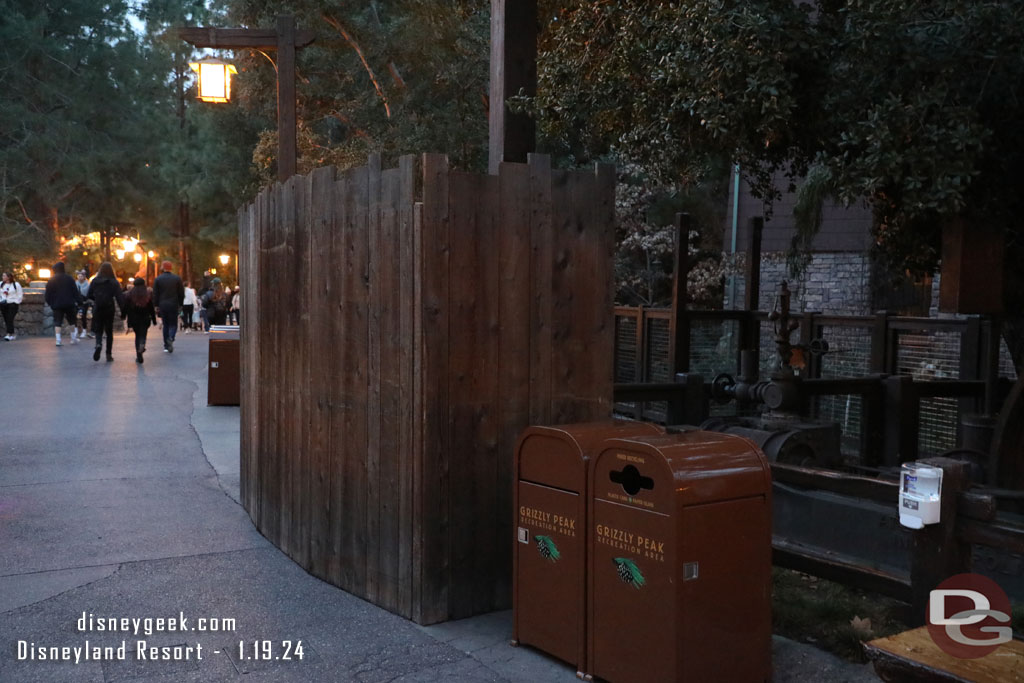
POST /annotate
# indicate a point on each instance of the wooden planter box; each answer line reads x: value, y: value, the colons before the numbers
x: 396, y: 343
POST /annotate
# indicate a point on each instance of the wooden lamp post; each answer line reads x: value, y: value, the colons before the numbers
x: 286, y: 40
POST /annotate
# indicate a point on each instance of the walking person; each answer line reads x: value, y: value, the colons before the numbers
x: 63, y: 297
x: 104, y: 291
x: 11, y: 294
x: 140, y: 313
x: 188, y: 306
x: 83, y: 308
x: 169, y: 295
x: 215, y: 303
x: 236, y: 306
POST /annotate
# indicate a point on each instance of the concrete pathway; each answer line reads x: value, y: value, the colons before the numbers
x: 119, y: 499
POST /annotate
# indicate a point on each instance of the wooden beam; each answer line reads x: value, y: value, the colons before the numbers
x: 513, y: 68
x: 286, y: 119
x: 679, y: 324
x: 236, y: 38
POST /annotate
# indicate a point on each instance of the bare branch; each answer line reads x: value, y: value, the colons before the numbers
x: 359, y: 51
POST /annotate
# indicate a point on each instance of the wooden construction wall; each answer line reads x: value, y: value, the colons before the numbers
x: 402, y: 327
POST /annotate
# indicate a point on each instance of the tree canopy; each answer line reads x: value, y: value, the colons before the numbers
x: 913, y: 107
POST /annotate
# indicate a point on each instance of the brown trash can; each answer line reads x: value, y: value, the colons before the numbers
x: 680, y: 561
x: 549, y: 551
x: 223, y: 386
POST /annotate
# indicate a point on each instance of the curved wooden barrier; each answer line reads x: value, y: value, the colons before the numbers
x: 395, y: 343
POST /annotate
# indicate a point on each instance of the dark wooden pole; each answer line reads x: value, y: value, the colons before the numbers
x: 286, y: 123
x: 286, y: 40
x: 513, y: 68
x: 936, y: 554
x: 679, y: 324
x: 752, y: 291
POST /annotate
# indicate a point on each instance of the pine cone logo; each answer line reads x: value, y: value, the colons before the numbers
x: 628, y: 572
x: 547, y: 548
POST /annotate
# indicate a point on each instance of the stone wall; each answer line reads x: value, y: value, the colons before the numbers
x: 838, y: 283
x: 34, y: 317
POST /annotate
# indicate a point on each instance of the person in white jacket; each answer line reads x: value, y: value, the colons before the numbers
x: 11, y: 294
x: 188, y: 307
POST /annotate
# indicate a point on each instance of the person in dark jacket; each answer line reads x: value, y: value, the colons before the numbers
x: 140, y: 313
x: 63, y: 297
x: 104, y: 291
x: 169, y: 294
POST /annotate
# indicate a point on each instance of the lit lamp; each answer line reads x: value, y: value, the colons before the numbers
x: 151, y: 254
x: 214, y: 79
x: 28, y: 266
x: 224, y: 258
x: 44, y: 273
x: 138, y: 257
x: 119, y: 253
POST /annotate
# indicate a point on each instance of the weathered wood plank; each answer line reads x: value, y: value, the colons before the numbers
x: 387, y: 305
x: 373, y: 396
x: 355, y: 380
x: 420, y: 480
x: 322, y: 293
x: 406, y: 453
x: 467, y: 296
x: 541, y: 266
x: 514, y: 251
x: 337, y: 265
x: 286, y: 453
x: 245, y: 405
x: 271, y: 511
x: 914, y: 656
x: 302, y: 336
x: 435, y: 582
x: 565, y: 364
x: 601, y: 247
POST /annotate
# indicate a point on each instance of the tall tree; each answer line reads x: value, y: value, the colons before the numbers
x: 76, y: 84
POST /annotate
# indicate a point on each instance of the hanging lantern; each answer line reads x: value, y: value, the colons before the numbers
x: 214, y: 79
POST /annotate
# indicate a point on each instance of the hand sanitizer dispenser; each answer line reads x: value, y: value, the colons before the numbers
x: 920, y: 495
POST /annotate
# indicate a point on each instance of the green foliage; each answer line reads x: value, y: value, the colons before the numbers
x: 388, y: 76
x: 76, y: 91
x: 912, y: 106
x: 646, y: 234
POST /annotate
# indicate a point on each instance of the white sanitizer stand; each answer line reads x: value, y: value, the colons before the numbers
x: 920, y: 495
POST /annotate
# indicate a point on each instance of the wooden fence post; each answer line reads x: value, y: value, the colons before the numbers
x: 752, y: 292
x: 879, y: 344
x: 935, y: 552
x: 901, y: 431
x: 679, y: 323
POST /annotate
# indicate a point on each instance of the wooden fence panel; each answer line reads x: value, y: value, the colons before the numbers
x: 399, y: 349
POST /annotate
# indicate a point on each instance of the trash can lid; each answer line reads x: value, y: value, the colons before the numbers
x: 659, y: 472
x: 556, y: 455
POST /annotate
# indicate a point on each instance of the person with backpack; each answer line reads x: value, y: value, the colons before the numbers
x: 63, y: 297
x: 215, y: 303
x: 104, y: 291
x: 140, y: 312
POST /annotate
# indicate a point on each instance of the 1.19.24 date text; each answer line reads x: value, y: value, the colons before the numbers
x: 269, y: 650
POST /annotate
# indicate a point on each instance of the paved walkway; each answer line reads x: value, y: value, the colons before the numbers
x: 118, y: 498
